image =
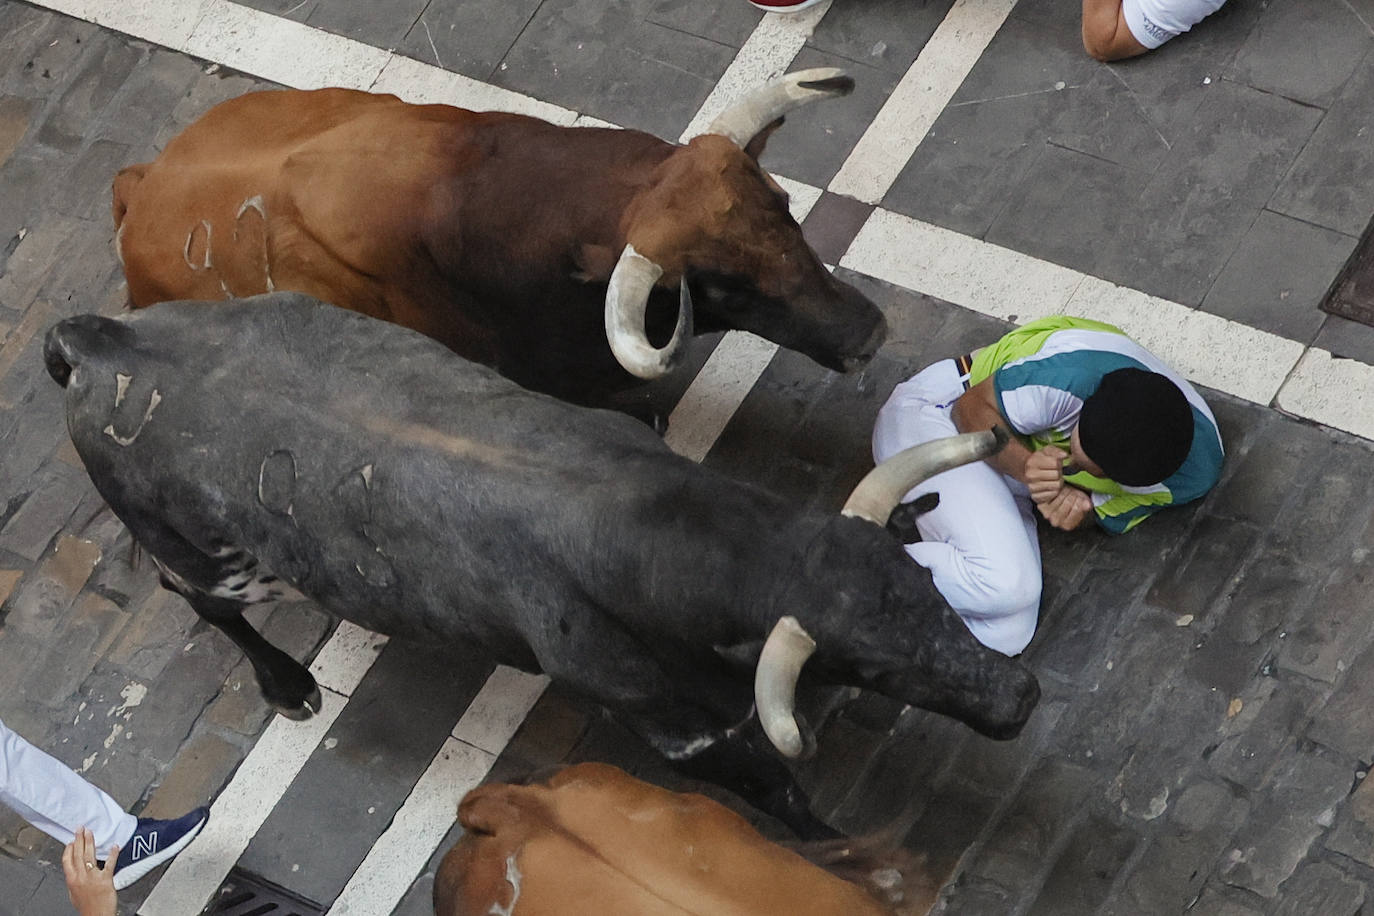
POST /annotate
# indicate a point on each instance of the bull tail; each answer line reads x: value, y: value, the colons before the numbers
x: 124, y: 184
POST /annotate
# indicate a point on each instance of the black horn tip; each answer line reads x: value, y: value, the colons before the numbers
x: 999, y: 433
x: 836, y: 85
x: 53, y: 359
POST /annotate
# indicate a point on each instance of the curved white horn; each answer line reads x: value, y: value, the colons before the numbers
x: 883, y: 487
x: 751, y: 114
x: 775, y: 683
x: 627, y: 298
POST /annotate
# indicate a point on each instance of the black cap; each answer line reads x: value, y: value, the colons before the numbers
x: 1137, y: 426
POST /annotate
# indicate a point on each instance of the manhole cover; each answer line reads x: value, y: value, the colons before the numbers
x: 245, y: 894
x: 1352, y: 295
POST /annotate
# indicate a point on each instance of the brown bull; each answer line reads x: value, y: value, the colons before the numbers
x: 596, y: 842
x: 513, y: 241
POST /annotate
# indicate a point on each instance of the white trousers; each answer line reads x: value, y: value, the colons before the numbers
x: 980, y: 543
x: 52, y: 797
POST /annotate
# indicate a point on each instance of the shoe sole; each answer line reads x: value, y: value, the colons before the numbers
x: 126, y: 876
x: 791, y: 8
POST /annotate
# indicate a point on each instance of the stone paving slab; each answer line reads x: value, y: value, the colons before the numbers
x: 1202, y: 744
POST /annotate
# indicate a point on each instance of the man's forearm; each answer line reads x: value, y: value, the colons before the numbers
x: 976, y: 412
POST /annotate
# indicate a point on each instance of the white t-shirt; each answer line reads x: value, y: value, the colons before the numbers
x: 1154, y: 22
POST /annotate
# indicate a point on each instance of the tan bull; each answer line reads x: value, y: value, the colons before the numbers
x: 554, y: 254
x: 594, y: 841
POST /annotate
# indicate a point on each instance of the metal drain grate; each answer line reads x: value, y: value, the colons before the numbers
x: 245, y: 894
x: 1352, y: 295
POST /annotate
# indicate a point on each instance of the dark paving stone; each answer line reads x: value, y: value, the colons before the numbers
x: 467, y: 38
x: 1082, y: 876
x: 1260, y: 474
x: 1321, y: 515
x: 106, y: 63
x: 54, y: 57
x: 146, y: 100
x: 1325, y: 638
x: 1344, y: 722
x: 1282, y: 57
x: 1070, y: 640
x: 296, y: 10
x: 15, y: 116
x: 1102, y: 723
x: 1354, y: 834
x: 1182, y: 721
x: 1041, y: 816
x: 609, y: 61
x: 20, y: 879
x: 1196, y: 208
x: 1285, y: 824
x: 833, y: 223
x: 884, y: 34
x: 1217, y: 550
x: 1224, y: 902
x: 1170, y: 873
x: 1321, y: 888
x: 949, y: 826
x: 1260, y: 288
x: 1346, y: 339
x: 977, y: 898
x: 1065, y: 208
x: 726, y: 22
x: 24, y: 181
x: 50, y: 897
x: 897, y: 781
x: 380, y: 23
x: 84, y: 192
x: 1332, y: 182
x: 386, y: 736
x: 994, y: 130
x: 31, y: 529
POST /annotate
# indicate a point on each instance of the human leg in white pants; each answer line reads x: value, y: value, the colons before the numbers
x: 980, y: 542
x: 52, y: 797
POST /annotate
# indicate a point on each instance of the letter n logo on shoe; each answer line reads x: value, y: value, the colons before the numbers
x: 144, y: 845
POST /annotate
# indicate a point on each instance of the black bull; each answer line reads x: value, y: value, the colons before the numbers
x: 420, y: 495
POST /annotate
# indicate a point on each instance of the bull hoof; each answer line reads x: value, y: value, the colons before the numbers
x: 312, y: 705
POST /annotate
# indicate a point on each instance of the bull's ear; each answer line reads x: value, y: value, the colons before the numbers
x: 594, y: 263
x: 755, y: 146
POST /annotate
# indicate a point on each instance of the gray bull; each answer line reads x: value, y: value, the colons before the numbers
x: 420, y: 495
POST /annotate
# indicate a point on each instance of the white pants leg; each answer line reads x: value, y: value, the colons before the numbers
x: 52, y: 797
x: 980, y: 543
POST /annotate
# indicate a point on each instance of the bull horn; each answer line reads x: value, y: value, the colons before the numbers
x: 883, y: 487
x: 775, y: 684
x: 751, y: 114
x: 627, y: 299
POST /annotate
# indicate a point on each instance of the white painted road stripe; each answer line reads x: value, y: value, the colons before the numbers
x: 421, y: 824
x: 1007, y: 284
x: 263, y: 778
x: 931, y: 81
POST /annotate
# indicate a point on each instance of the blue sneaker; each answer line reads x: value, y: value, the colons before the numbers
x: 154, y: 843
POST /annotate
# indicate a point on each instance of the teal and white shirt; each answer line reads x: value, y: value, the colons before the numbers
x: 1043, y: 371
